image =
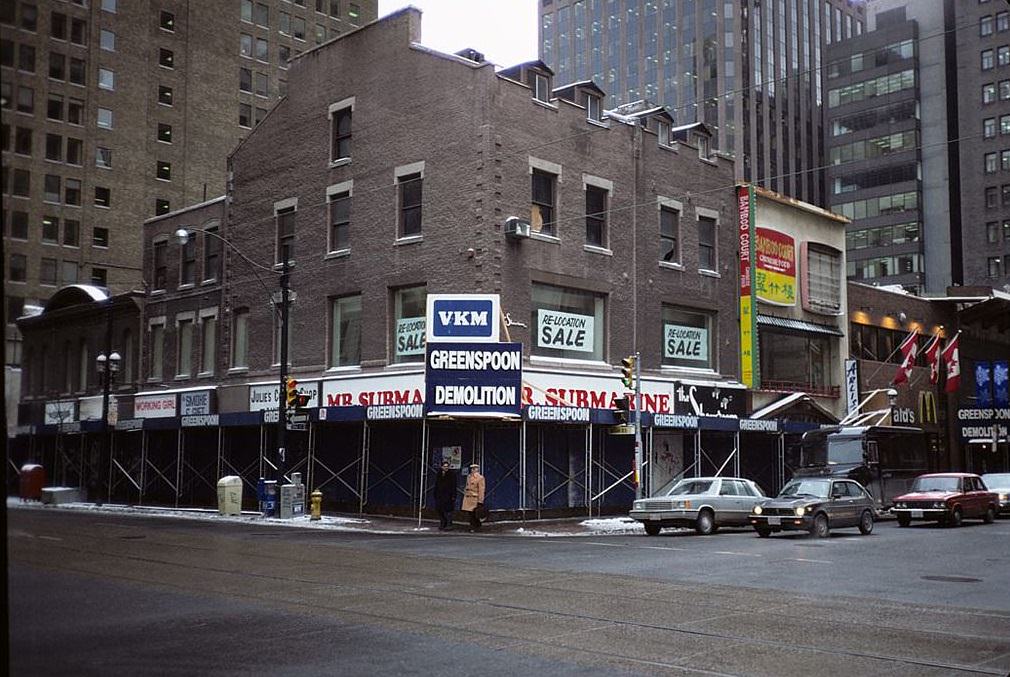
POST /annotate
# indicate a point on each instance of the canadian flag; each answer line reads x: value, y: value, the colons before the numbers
x: 932, y: 351
x: 953, y: 361
x: 909, y: 349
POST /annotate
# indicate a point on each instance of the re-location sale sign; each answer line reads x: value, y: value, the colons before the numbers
x: 473, y: 379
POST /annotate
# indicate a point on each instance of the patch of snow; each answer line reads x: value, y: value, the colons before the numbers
x: 611, y: 524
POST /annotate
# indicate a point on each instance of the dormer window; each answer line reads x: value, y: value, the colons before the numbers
x: 540, y: 85
x: 704, y: 152
x: 663, y: 129
x: 592, y: 107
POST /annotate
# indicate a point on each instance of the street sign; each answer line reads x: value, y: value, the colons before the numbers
x: 623, y: 429
x: 298, y: 422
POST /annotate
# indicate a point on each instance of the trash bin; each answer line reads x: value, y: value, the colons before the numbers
x: 229, y: 495
x: 268, y: 497
x: 32, y: 479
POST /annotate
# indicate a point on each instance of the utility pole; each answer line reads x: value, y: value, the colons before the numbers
x: 638, y: 426
x: 282, y: 419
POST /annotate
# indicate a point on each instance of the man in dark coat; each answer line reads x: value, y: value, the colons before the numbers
x: 445, y: 495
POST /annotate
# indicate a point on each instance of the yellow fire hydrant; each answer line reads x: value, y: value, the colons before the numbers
x: 317, y: 505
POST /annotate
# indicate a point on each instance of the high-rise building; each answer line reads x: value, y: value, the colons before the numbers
x: 114, y: 112
x: 750, y: 70
x: 918, y: 136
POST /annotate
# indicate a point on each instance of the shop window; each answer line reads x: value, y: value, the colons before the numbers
x: 345, y: 332
x: 569, y: 323
x: 688, y: 338
x: 823, y: 279
x: 409, y: 309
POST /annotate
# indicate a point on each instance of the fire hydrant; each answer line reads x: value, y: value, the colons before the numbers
x: 317, y: 505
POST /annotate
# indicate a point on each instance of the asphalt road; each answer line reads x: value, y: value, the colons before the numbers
x: 110, y: 595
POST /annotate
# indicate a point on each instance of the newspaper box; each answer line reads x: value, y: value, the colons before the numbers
x: 229, y: 495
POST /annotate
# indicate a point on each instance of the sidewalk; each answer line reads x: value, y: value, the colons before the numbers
x: 372, y: 524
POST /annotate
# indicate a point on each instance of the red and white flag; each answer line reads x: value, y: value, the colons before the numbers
x: 952, y: 359
x: 932, y: 351
x: 909, y: 349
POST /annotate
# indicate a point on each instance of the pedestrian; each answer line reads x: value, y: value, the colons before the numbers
x: 445, y: 495
x: 473, y: 497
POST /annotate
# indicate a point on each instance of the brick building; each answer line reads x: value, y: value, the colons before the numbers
x: 117, y: 111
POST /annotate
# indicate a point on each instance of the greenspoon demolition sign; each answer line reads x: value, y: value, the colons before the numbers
x: 473, y: 379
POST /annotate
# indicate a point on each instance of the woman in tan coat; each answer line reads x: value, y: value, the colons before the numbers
x: 473, y: 497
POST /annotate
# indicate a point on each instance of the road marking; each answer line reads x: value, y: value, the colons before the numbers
x: 49, y: 538
x: 740, y: 554
x: 803, y: 559
x: 659, y: 547
x: 611, y: 545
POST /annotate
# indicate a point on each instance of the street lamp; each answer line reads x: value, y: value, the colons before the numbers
x: 182, y: 235
x: 107, y: 366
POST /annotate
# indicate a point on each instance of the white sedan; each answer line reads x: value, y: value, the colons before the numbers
x: 705, y: 503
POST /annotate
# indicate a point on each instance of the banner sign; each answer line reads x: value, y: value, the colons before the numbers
x: 394, y: 412
x: 983, y: 391
x: 387, y: 389
x: 750, y: 374
x: 1001, y: 383
x: 473, y: 379
x: 775, y: 278
x: 463, y: 317
x: 267, y: 396
x: 409, y: 339
x: 539, y: 412
x: 199, y: 421
x: 685, y: 343
x: 154, y: 406
x: 58, y: 412
x: 851, y: 385
x: 980, y: 423
x: 565, y: 331
x: 195, y: 403
x: 130, y: 424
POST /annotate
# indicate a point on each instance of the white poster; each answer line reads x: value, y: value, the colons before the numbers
x: 409, y: 339
x: 196, y: 403
x: 265, y: 397
x: 60, y: 412
x: 685, y: 343
x: 564, y: 331
x: 154, y: 406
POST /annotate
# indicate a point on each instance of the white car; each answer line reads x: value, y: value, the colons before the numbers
x: 705, y: 503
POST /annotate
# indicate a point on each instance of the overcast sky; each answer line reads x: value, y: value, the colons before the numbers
x: 505, y: 31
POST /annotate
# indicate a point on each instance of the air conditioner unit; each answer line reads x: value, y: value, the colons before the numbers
x: 516, y: 228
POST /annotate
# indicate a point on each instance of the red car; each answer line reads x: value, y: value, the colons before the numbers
x: 946, y: 498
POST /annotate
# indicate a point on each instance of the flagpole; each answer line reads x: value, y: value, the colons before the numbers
x: 885, y: 361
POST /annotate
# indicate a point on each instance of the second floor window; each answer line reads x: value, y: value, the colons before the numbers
x: 345, y: 334
x: 706, y: 243
x: 187, y: 272
x: 341, y: 134
x: 285, y: 234
x: 596, y: 216
x: 240, y: 339
x: 160, y: 265
x: 542, y: 220
x: 669, y: 235
x: 211, y: 254
x: 184, y: 363
x: 410, y: 204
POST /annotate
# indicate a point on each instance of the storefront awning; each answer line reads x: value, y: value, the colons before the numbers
x: 798, y: 325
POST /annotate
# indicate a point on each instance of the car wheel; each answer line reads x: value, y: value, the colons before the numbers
x: 955, y: 518
x: 763, y: 532
x: 705, y: 524
x: 866, y: 523
x: 903, y: 519
x: 652, y: 529
x: 990, y: 515
x: 820, y: 529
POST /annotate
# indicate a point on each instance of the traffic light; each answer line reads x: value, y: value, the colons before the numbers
x: 628, y: 372
x: 303, y: 400
x: 291, y: 393
x: 622, y: 410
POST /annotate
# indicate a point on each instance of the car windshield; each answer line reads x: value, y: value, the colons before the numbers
x: 691, y: 487
x: 815, y: 488
x: 993, y: 480
x: 935, y: 484
x: 820, y: 448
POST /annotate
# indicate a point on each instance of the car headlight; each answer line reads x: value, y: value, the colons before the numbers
x: 638, y: 505
x: 899, y: 504
x: 758, y: 510
x: 1004, y: 497
x: 799, y: 511
x: 938, y: 504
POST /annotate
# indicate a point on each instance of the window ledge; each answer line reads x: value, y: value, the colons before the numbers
x: 157, y: 292
x: 340, y: 162
x: 205, y: 374
x: 709, y: 161
x: 598, y: 123
x: 238, y: 370
x: 567, y: 361
x: 338, y: 254
x: 181, y: 377
x: 688, y: 371
x: 344, y: 370
x: 545, y: 238
x: 593, y: 249
x: 410, y: 239
x: 212, y: 280
x: 188, y: 285
x: 709, y: 273
x: 668, y: 147
x: 671, y: 265
x: 406, y: 365
x: 548, y: 106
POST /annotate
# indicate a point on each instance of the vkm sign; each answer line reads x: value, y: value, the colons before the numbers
x: 463, y: 317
